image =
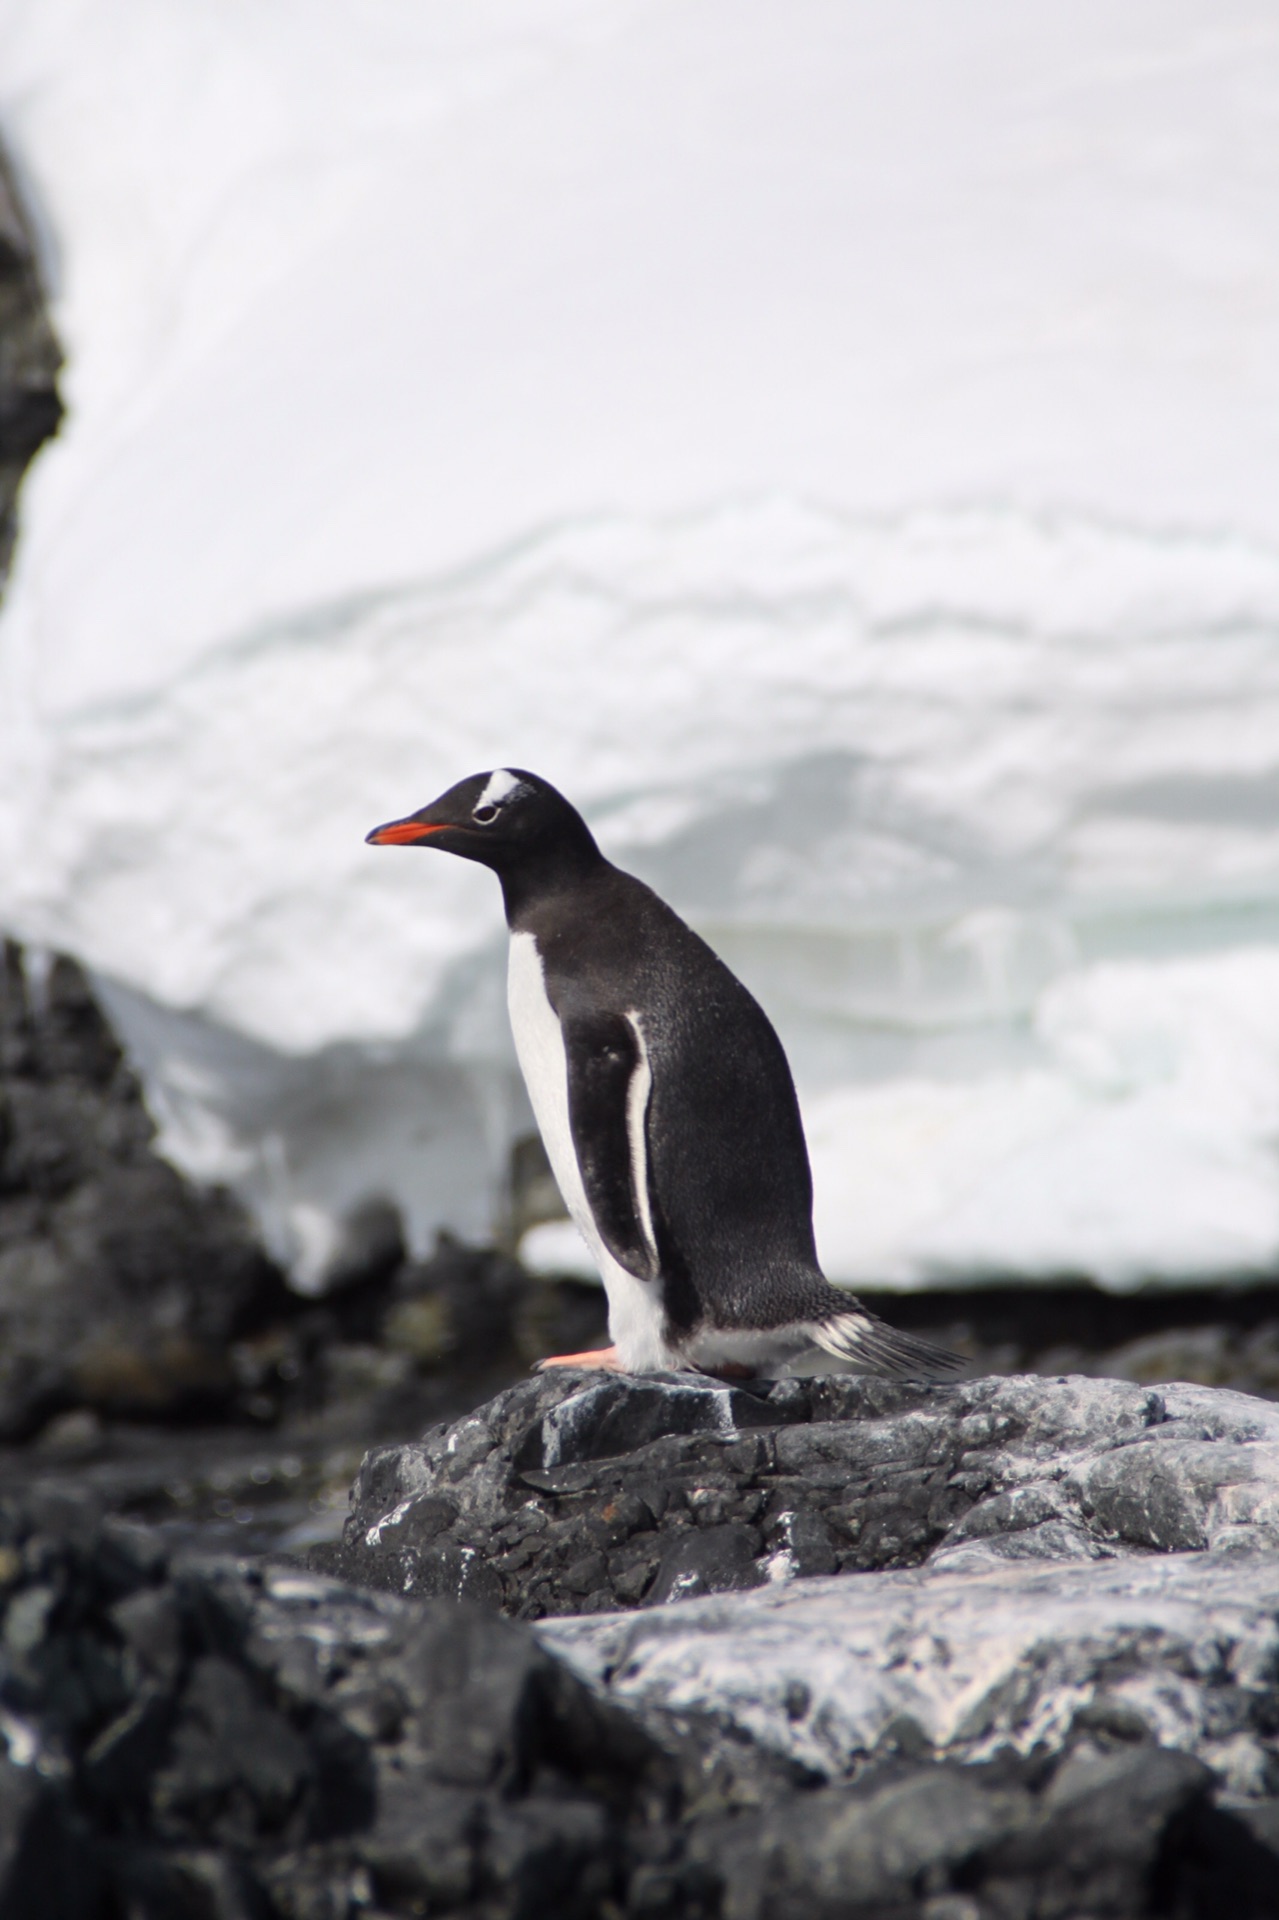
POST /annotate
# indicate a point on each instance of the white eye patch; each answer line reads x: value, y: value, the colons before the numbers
x: 501, y: 785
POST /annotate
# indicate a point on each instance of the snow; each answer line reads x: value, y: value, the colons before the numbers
x: 838, y: 445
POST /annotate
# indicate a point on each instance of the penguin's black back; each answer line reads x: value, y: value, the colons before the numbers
x: 729, y: 1180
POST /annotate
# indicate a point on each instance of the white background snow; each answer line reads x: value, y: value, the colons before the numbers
x: 837, y: 443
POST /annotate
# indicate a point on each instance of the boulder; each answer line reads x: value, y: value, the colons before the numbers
x: 122, y: 1286
x: 197, y: 1737
x: 960, y: 1663
x: 576, y: 1494
x: 192, y: 1738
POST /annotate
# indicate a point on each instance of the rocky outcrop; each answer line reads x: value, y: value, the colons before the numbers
x: 587, y: 1494
x: 977, y: 1652
x: 122, y: 1287
x: 1026, y: 1657
x: 195, y: 1739
x: 199, y: 1739
x: 150, y: 1348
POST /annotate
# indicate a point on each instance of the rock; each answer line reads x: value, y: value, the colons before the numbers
x: 29, y: 357
x: 204, y: 1739
x: 1087, y: 1843
x: 474, y: 1311
x: 960, y: 1663
x: 131, y: 1298
x: 580, y: 1493
x: 1058, y: 1653
x: 1213, y: 1336
x: 122, y: 1287
x: 201, y: 1737
x: 703, y: 1560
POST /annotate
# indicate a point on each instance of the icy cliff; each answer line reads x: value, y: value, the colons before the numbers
x: 838, y: 445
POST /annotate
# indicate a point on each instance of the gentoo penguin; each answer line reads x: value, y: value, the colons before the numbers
x: 665, y: 1102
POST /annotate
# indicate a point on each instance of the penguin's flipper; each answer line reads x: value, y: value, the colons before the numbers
x: 608, y: 1088
x: 875, y: 1347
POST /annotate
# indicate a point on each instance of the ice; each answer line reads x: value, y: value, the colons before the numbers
x: 838, y: 446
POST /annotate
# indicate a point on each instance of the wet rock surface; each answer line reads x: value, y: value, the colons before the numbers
x: 589, y: 1493
x: 191, y: 1738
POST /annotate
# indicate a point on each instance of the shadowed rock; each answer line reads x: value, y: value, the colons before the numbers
x: 121, y: 1285
x: 192, y: 1738
x: 197, y: 1739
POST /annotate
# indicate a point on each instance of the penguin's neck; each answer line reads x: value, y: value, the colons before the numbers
x: 541, y: 874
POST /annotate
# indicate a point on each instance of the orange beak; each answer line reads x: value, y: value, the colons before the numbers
x: 400, y: 833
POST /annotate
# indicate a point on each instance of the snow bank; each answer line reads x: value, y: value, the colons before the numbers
x: 837, y: 446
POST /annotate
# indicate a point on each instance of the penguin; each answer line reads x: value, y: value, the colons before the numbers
x: 665, y: 1102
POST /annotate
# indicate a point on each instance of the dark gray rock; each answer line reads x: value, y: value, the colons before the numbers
x: 572, y: 1494
x: 122, y: 1287
x: 1089, y: 1842
x: 202, y: 1739
x: 128, y: 1293
x: 1058, y: 1653
x: 705, y: 1560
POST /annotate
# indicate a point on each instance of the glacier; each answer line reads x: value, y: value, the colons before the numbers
x: 838, y: 447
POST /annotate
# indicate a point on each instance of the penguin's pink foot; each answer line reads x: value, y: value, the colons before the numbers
x: 606, y: 1358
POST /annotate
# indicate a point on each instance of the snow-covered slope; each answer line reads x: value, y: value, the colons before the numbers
x: 838, y: 444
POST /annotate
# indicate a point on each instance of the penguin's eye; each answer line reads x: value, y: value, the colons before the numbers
x: 484, y: 816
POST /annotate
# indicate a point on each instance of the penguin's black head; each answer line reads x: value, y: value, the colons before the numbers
x: 509, y: 820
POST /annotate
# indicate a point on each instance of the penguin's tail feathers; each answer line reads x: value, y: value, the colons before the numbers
x: 870, y: 1345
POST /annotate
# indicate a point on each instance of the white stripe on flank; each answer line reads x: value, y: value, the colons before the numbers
x: 636, y: 1112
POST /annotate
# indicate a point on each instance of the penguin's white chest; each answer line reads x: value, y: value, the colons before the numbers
x: 635, y: 1317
